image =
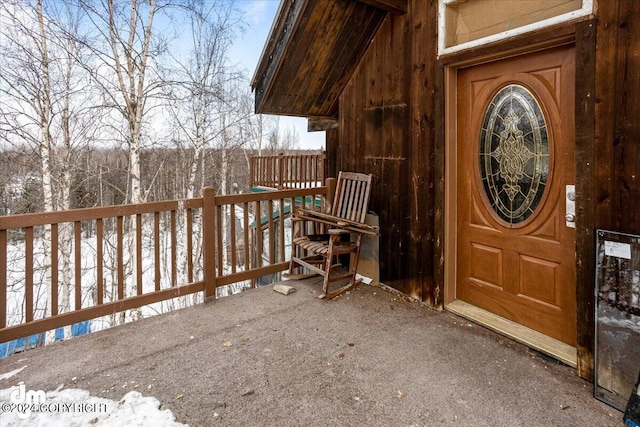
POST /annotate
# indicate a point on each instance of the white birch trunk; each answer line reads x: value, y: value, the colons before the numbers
x: 45, y: 156
x: 131, y: 81
x: 224, y: 172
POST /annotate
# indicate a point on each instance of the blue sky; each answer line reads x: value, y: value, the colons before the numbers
x: 258, y: 15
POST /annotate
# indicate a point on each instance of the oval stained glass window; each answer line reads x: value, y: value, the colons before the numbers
x: 514, y: 153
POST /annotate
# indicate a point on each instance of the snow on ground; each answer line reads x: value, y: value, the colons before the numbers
x: 76, y: 407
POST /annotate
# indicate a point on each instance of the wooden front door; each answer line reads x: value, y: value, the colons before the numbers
x: 515, y: 157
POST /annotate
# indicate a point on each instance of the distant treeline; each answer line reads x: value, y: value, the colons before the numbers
x: 99, y: 176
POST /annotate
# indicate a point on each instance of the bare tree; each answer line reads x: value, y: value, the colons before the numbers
x: 126, y: 54
x: 45, y: 105
x: 204, y: 75
x: 202, y: 98
x: 256, y: 127
x: 126, y: 66
x: 282, y: 140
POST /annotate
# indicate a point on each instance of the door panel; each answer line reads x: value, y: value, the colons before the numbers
x: 515, y: 137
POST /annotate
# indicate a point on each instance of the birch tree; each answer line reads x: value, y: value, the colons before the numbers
x: 44, y: 105
x: 126, y: 66
x: 203, y: 78
x: 201, y: 95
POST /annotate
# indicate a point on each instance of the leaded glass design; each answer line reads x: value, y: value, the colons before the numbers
x: 514, y: 153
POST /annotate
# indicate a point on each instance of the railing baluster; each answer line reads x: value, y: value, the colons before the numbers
x: 156, y: 249
x: 281, y: 232
x: 280, y: 169
x: 232, y: 232
x: 245, y: 237
x: 3, y: 279
x: 189, y: 245
x: 258, y: 236
x: 264, y: 170
x: 272, y: 243
x: 28, y: 278
x: 219, y: 239
x: 99, y: 260
x: 252, y: 171
x: 174, y: 241
x: 77, y: 245
x: 54, y: 269
x: 120, y: 255
x: 139, y: 254
x: 208, y: 242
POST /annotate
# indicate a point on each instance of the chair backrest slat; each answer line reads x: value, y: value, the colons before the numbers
x: 352, y: 196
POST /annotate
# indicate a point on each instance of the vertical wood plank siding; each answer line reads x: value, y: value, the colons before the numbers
x: 610, y: 177
x: 386, y: 129
x: 585, y: 226
x: 391, y: 124
x: 617, y: 116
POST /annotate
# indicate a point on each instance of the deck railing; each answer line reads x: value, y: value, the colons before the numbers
x: 287, y: 171
x: 121, y: 258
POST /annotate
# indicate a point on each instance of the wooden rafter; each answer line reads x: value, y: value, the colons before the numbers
x: 396, y: 7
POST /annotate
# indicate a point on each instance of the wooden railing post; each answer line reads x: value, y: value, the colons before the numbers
x: 209, y: 242
x: 252, y: 171
x: 331, y: 190
x: 280, y: 161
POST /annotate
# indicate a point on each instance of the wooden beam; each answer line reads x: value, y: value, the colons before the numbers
x: 395, y: 7
x: 585, y: 192
x: 315, y: 124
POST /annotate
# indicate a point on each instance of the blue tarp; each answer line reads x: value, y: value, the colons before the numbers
x: 21, y: 344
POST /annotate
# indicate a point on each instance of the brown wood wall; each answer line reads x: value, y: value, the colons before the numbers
x: 607, y: 147
x: 617, y: 116
x: 392, y: 125
x: 386, y: 129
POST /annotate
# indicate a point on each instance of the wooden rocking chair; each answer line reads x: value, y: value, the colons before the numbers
x: 323, y: 250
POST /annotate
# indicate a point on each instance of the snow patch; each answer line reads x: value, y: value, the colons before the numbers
x: 10, y: 374
x: 76, y: 407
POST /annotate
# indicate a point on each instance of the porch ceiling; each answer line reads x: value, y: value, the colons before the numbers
x: 312, y: 50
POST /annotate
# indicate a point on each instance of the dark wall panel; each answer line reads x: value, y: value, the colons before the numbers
x: 386, y: 129
x: 617, y: 121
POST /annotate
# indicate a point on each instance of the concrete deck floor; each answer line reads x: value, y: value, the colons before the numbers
x: 367, y: 358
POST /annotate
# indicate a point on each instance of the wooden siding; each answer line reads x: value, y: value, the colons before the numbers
x: 386, y: 129
x: 585, y: 227
x: 610, y: 127
x: 397, y: 7
x: 314, y: 50
x: 391, y: 124
x: 617, y: 117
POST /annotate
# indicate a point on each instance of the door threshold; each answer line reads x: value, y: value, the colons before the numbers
x: 533, y: 339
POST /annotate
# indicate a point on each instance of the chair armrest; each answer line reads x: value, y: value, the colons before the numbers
x: 358, y: 227
x: 338, y: 231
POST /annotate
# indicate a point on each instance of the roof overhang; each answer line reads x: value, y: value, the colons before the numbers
x: 313, y: 49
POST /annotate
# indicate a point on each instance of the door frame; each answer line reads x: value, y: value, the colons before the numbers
x: 533, y: 339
